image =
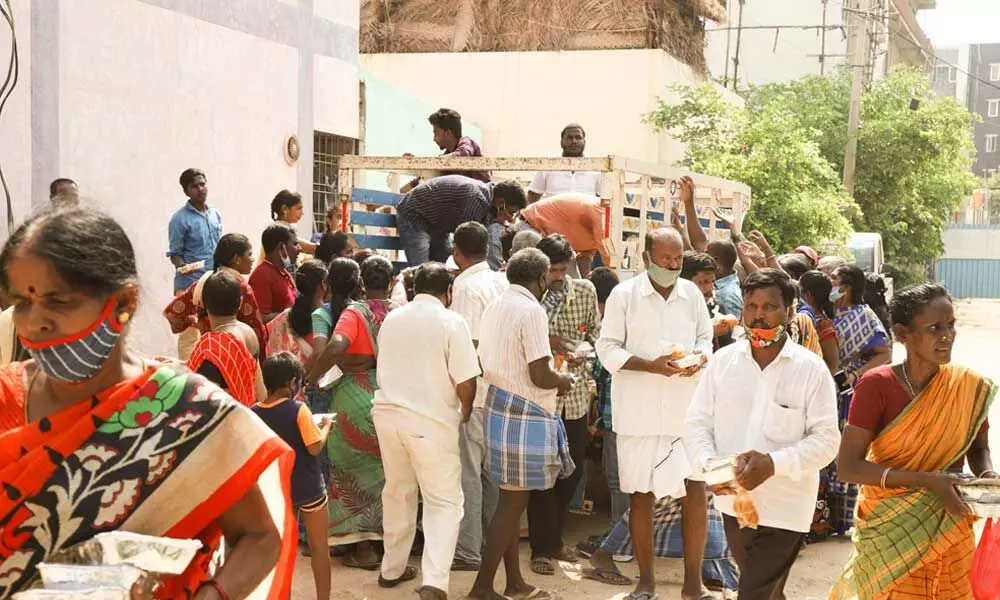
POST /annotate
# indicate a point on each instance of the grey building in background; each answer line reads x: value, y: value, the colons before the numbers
x: 976, y: 84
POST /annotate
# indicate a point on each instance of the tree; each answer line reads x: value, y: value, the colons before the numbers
x: 913, y: 166
x: 797, y: 197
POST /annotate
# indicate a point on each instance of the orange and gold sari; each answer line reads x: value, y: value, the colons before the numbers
x: 906, y: 545
x: 166, y: 454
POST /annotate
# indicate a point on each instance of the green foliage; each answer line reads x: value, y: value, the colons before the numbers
x: 787, y: 143
x: 796, y: 193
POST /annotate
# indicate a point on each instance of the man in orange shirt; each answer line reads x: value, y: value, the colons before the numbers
x: 579, y: 217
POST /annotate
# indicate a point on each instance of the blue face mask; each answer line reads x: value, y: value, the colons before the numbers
x: 81, y: 356
x: 836, y: 294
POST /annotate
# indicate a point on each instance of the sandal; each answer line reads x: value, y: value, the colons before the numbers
x: 351, y: 561
x: 409, y: 574
x: 535, y: 594
x: 608, y: 576
x: 566, y: 554
x: 431, y: 593
x: 643, y: 596
x: 542, y: 565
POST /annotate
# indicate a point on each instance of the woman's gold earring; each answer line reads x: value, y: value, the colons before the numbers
x: 124, y: 317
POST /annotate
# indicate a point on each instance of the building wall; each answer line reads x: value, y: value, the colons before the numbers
x: 980, y: 94
x: 124, y: 104
x: 397, y: 124
x: 522, y: 100
x: 944, y: 76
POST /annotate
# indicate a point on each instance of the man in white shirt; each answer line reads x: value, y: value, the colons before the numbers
x: 550, y: 183
x: 525, y: 441
x: 772, y: 404
x: 427, y: 374
x: 648, y: 321
x: 476, y: 287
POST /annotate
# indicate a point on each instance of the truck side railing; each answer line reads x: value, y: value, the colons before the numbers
x: 637, y: 195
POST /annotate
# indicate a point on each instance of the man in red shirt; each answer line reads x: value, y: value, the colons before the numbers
x: 272, y: 284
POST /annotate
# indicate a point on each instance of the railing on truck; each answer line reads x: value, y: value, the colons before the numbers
x: 636, y: 195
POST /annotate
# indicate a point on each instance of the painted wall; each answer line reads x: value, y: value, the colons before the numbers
x: 15, y: 120
x: 396, y: 123
x: 972, y: 242
x: 522, y: 100
x: 124, y: 104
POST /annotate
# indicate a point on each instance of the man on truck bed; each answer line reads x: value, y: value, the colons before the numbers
x: 435, y: 208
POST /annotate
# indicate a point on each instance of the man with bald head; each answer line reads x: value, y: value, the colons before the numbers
x: 651, y: 321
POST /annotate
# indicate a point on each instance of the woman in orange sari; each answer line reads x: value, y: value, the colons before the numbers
x: 95, y: 437
x: 910, y: 431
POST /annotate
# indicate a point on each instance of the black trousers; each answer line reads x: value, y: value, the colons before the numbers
x: 765, y: 556
x: 548, y: 509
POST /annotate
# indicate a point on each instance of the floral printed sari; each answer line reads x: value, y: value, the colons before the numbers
x: 356, y: 475
x: 166, y: 454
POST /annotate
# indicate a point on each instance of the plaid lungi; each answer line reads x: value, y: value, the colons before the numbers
x: 668, y: 541
x: 526, y: 447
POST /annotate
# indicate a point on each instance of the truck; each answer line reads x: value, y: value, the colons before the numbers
x: 636, y: 196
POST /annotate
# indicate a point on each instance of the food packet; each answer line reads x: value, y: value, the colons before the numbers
x: 81, y: 594
x: 746, y: 512
x: 84, y: 577
x: 149, y: 553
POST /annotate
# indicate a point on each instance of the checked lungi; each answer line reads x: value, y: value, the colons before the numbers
x: 526, y: 447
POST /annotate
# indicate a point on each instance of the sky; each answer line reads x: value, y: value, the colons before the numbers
x: 956, y: 22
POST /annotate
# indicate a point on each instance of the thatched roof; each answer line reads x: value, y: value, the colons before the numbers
x: 525, y: 25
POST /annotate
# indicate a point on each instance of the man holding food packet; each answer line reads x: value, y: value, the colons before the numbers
x: 764, y: 421
x: 656, y: 336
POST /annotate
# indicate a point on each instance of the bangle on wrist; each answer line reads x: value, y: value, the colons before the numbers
x: 885, y: 474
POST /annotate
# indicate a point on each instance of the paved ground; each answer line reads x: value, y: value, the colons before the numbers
x: 812, y: 576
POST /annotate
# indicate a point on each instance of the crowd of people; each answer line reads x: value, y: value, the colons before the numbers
x: 428, y: 410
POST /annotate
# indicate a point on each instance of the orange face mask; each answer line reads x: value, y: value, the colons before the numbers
x: 762, y: 338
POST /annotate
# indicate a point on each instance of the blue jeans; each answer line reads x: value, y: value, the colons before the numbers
x: 421, y: 245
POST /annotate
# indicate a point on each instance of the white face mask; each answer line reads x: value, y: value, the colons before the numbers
x: 836, y: 294
x: 661, y: 276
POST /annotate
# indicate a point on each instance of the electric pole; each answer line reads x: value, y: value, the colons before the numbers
x: 857, y: 43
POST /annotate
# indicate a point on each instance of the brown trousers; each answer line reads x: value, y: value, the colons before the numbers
x: 765, y: 556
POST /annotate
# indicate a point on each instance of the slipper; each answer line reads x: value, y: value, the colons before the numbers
x: 643, y: 596
x: 542, y: 565
x: 409, y: 574
x: 351, y: 561
x: 535, y: 594
x: 431, y: 593
x: 608, y: 576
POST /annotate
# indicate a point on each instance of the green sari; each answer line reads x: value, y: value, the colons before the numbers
x: 356, y: 477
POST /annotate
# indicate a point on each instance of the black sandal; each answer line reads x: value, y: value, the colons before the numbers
x: 409, y: 574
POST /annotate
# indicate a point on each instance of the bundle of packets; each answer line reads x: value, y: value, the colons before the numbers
x: 116, y: 565
x: 982, y: 496
x: 719, y: 471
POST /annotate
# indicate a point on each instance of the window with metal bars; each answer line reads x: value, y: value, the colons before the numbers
x: 327, y: 147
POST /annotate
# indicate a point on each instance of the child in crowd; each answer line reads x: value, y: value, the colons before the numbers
x: 293, y: 422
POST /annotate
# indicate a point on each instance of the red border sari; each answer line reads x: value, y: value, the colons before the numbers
x: 166, y: 454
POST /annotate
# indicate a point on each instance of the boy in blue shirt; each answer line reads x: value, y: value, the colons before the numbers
x: 293, y: 422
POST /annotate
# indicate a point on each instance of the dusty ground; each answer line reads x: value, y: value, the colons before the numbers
x: 814, y: 572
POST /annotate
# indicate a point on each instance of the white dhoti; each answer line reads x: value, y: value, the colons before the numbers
x: 657, y: 464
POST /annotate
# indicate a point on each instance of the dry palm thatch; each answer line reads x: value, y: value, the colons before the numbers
x: 526, y: 25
